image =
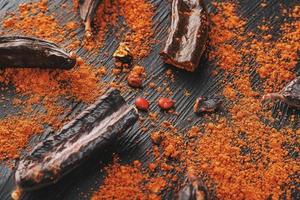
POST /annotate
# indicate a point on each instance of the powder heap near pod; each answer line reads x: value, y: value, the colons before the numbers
x: 126, y: 182
x: 138, y: 16
x: 43, y: 87
x: 245, y: 157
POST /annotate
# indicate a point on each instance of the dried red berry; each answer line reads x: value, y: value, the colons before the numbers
x: 136, y: 76
x: 134, y: 80
x: 142, y: 103
x: 165, y: 103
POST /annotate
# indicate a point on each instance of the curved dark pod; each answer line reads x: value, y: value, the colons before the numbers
x: 87, y: 12
x: 188, y: 34
x: 290, y: 94
x: 193, y: 189
x: 20, y: 51
x: 92, y: 130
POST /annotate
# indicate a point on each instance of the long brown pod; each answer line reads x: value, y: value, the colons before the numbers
x: 290, y: 94
x: 87, y: 12
x: 20, y: 51
x: 93, y: 130
x: 188, y: 34
x: 193, y: 189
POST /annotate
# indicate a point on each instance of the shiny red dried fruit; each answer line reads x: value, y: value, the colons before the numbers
x: 165, y: 103
x: 134, y: 80
x: 142, y: 103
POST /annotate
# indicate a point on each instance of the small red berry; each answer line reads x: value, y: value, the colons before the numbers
x: 134, y: 80
x: 165, y: 103
x: 142, y: 103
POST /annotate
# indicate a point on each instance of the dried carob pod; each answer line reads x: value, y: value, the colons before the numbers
x: 193, y: 189
x: 290, y: 94
x: 20, y: 51
x: 87, y: 12
x: 188, y: 34
x: 91, y: 131
x: 207, y: 105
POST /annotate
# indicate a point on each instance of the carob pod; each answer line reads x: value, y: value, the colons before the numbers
x: 92, y: 130
x: 188, y: 34
x: 194, y: 189
x: 87, y: 12
x: 290, y: 94
x: 20, y: 51
x: 207, y: 105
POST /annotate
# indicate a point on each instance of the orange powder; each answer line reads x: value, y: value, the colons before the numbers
x: 127, y: 182
x: 79, y: 82
x: 225, y: 29
x: 276, y: 58
x: 245, y: 157
x: 33, y: 19
x: 106, y: 16
x: 138, y: 16
x: 14, y: 135
x: 44, y: 86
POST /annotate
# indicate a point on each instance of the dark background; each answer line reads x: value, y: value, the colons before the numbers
x: 133, y: 145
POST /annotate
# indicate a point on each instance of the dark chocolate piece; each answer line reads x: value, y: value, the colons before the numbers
x: 19, y: 51
x: 290, y: 94
x: 188, y: 34
x: 203, y: 104
x: 193, y: 189
x: 93, y: 130
x: 87, y: 12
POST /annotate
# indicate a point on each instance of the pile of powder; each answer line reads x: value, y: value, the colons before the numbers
x: 138, y: 16
x: 34, y: 19
x: 226, y: 28
x: 106, y: 16
x: 126, y: 182
x: 245, y: 158
x: 277, y: 58
x: 14, y: 135
x: 44, y: 87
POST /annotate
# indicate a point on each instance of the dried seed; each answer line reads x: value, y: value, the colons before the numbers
x: 136, y: 76
x: 202, y: 104
x: 142, y: 103
x: 123, y: 56
x: 165, y: 103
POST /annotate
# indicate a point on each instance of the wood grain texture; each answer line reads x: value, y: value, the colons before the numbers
x: 133, y: 145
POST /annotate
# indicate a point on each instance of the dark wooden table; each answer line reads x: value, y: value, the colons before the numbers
x: 132, y: 146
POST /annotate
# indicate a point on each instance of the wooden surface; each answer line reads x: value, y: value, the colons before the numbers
x: 133, y: 145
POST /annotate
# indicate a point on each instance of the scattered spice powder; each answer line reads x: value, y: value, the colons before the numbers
x: 128, y: 182
x: 138, y: 16
x: 245, y: 157
x: 14, y: 134
x: 225, y: 29
x: 106, y: 17
x: 45, y: 87
x: 277, y: 59
x: 35, y: 20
